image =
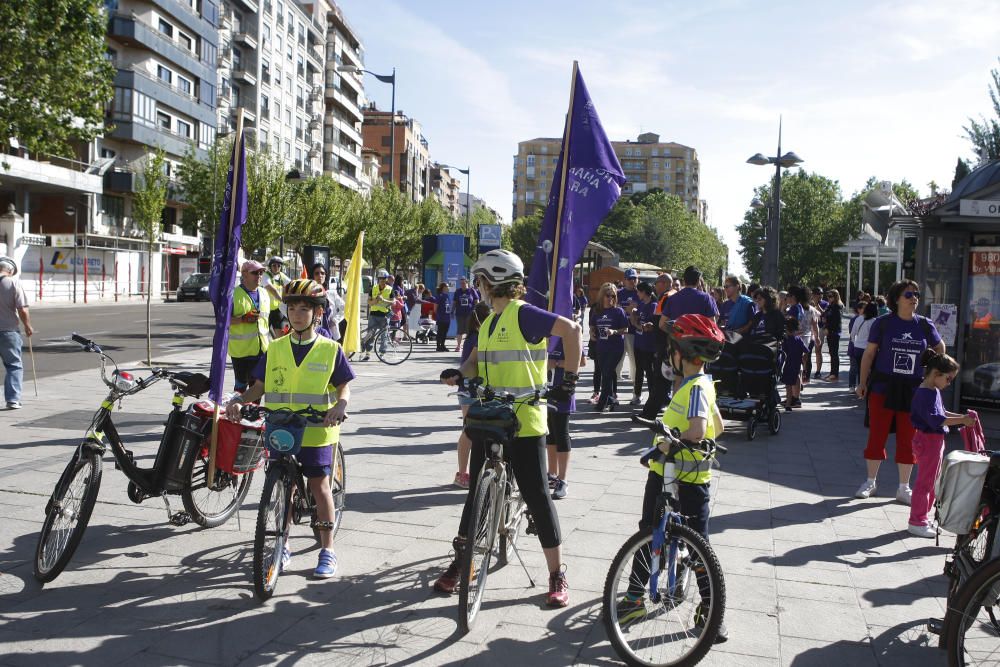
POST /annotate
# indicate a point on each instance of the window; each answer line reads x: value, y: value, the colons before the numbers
x: 266, y: 33
x: 184, y: 128
x: 300, y: 66
x: 113, y: 209
x: 298, y: 155
x: 164, y: 74
x: 529, y: 196
x: 531, y: 160
x: 654, y: 152
x: 288, y: 150
x: 277, y: 144
x: 265, y: 70
x: 288, y: 117
x: 263, y: 139
x: 545, y: 149
x: 288, y: 51
x: 264, y: 106
x: 185, y: 41
x: 111, y: 55
x: 298, y: 127
x: 277, y: 79
x: 638, y: 152
x: 163, y: 120
x: 236, y: 95
x: 206, y: 135
x: 184, y: 85
x: 166, y: 29
x: 107, y: 152
x: 237, y: 58
x: 628, y: 152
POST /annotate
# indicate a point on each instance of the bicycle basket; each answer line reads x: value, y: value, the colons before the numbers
x: 492, y: 421
x: 283, y: 432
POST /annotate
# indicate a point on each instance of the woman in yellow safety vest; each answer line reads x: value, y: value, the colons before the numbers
x: 511, y: 356
x: 299, y: 370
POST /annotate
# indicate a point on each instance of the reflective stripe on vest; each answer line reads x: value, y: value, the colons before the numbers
x: 299, y: 386
x: 689, y: 467
x: 509, y: 363
x: 386, y: 294
x: 248, y: 339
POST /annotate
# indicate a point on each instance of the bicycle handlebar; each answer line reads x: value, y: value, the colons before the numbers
x: 676, y: 444
x: 254, y: 412
x: 476, y: 388
x: 155, y: 375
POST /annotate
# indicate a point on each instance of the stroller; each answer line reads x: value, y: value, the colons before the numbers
x: 426, y: 330
x: 747, y: 382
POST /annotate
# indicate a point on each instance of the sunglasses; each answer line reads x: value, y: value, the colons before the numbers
x: 258, y: 273
x: 911, y: 295
x: 320, y: 273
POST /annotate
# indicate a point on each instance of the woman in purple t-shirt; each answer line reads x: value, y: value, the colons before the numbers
x: 892, y: 361
x: 608, y: 327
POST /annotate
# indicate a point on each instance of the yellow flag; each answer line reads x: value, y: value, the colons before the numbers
x: 352, y: 337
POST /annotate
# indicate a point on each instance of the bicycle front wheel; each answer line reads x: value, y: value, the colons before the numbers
x: 212, y: 506
x: 973, y: 632
x: 67, y: 515
x: 271, y: 535
x: 393, y: 346
x: 482, y: 532
x: 338, y: 490
x: 676, y: 624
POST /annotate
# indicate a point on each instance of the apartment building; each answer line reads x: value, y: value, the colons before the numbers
x: 446, y: 189
x: 410, y: 167
x: 344, y: 99
x: 648, y: 163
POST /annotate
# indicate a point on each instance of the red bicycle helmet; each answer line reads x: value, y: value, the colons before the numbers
x: 696, y: 337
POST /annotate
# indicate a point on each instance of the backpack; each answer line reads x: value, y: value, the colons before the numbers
x: 959, y: 489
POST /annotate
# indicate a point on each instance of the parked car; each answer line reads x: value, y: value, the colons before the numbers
x: 194, y: 288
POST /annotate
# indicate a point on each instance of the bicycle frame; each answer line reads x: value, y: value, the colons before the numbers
x: 660, y: 533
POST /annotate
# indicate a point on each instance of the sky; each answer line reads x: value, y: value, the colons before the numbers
x: 876, y: 88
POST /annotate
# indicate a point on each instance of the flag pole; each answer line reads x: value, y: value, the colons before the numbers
x: 562, y: 191
x: 237, y: 169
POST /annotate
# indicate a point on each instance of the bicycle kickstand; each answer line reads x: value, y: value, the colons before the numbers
x: 175, y: 518
x: 523, y: 566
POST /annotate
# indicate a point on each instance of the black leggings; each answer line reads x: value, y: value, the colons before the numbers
x: 242, y: 368
x: 559, y: 431
x: 442, y: 334
x: 643, y: 370
x: 608, y: 361
x: 527, y: 461
x: 833, y: 350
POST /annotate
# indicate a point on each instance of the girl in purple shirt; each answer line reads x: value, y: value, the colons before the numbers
x: 930, y: 422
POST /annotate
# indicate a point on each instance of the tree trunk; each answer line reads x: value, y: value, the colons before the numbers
x: 149, y: 286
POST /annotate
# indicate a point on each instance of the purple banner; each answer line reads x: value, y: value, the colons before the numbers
x: 594, y: 182
x: 227, y: 247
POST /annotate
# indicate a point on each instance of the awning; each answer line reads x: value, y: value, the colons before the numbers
x: 437, y: 259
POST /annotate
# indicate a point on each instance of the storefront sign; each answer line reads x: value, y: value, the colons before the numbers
x: 945, y: 319
x: 62, y: 240
x: 981, y: 365
x: 983, y: 208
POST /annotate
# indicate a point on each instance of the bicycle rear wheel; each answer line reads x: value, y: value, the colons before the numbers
x: 482, y: 531
x: 211, y: 507
x: 67, y: 515
x: 679, y: 626
x: 973, y: 634
x: 393, y: 346
x: 271, y: 535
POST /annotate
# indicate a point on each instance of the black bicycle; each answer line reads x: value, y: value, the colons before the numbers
x: 972, y: 631
x: 180, y: 466
x: 286, y: 498
x: 665, y: 594
x: 498, y: 509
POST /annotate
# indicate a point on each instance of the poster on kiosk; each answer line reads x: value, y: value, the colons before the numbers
x: 981, y: 370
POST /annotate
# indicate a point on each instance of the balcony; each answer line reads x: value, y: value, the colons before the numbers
x: 165, y: 93
x: 251, y: 5
x: 247, y: 37
x: 131, y: 31
x: 128, y: 127
x: 245, y: 73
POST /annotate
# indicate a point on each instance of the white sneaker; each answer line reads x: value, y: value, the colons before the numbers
x: 865, y: 490
x: 922, y: 531
x: 13, y: 405
x: 904, y: 495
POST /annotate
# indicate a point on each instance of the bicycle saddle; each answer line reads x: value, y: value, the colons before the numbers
x: 190, y: 384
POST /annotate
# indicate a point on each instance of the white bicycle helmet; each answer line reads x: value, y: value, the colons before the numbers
x: 498, y: 267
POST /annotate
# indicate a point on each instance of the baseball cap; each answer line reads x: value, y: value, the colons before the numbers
x: 251, y: 266
x: 631, y: 273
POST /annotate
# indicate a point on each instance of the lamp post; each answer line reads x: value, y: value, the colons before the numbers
x: 773, y: 244
x: 390, y: 79
x: 468, y: 191
x: 70, y: 211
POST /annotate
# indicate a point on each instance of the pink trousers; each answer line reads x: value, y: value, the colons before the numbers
x: 928, y: 449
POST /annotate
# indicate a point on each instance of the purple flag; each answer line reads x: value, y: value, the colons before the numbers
x: 594, y: 182
x: 227, y: 245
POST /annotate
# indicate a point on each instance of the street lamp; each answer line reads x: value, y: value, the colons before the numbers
x: 390, y: 79
x: 773, y: 244
x: 468, y: 191
x: 70, y: 211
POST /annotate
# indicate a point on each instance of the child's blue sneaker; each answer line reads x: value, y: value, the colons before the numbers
x: 327, y: 566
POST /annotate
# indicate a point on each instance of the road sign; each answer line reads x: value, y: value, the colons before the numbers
x: 489, y: 237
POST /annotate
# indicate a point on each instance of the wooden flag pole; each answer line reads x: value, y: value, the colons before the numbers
x: 562, y: 191
x: 238, y: 167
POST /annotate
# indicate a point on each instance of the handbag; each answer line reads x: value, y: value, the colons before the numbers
x: 492, y: 421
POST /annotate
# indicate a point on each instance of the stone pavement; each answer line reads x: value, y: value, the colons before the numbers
x: 813, y: 576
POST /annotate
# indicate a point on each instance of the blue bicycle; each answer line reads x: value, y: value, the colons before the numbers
x: 665, y: 594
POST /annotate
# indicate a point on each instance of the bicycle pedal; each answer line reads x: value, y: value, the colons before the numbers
x: 180, y: 519
x: 531, y: 529
x: 935, y: 625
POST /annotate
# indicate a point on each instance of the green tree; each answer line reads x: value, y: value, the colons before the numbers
x: 148, y: 202
x: 524, y: 236
x: 203, y: 184
x: 318, y: 212
x: 269, y: 203
x: 962, y: 169
x: 984, y: 134
x: 55, y: 80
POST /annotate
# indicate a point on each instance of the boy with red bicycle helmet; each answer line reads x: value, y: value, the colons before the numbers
x: 693, y: 341
x: 300, y: 370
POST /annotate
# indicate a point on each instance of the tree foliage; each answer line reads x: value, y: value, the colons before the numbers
x: 269, y: 202
x: 524, y: 236
x: 984, y: 134
x: 55, y: 80
x: 148, y: 202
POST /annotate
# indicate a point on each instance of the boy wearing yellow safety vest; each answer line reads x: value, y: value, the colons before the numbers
x: 253, y: 310
x: 693, y: 340
x: 299, y: 370
x: 511, y: 356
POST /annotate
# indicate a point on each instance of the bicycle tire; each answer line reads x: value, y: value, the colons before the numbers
x: 338, y: 489
x: 964, y: 631
x: 273, y: 520
x: 197, y: 476
x: 482, y: 530
x: 393, y: 346
x: 514, y: 512
x: 649, y: 617
x: 977, y: 549
x: 87, y: 469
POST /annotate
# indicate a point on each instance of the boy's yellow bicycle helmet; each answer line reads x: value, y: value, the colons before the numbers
x: 305, y: 290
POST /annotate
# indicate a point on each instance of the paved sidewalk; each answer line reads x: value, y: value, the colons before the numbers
x: 813, y: 577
